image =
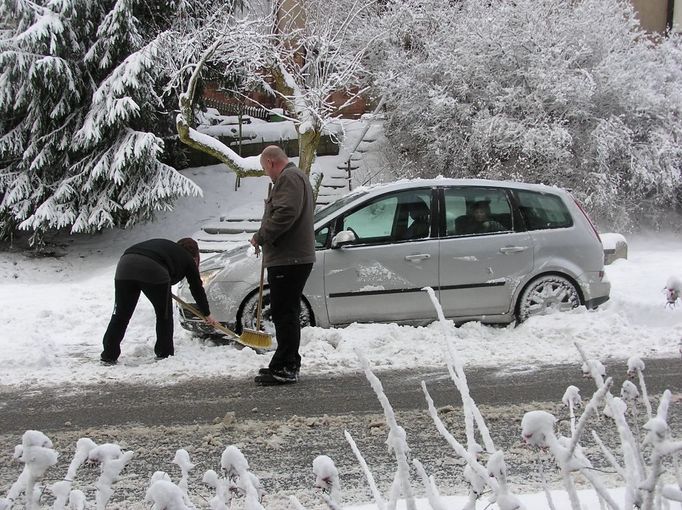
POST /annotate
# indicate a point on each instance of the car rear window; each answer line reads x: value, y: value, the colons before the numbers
x: 543, y: 210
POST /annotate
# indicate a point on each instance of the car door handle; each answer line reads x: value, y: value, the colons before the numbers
x: 513, y: 249
x: 417, y: 258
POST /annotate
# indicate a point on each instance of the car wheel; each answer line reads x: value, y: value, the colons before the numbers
x: 547, y: 294
x: 247, y: 314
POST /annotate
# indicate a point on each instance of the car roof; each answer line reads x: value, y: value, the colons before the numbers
x: 443, y: 181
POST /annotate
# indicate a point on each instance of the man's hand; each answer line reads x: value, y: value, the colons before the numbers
x: 211, y: 321
x: 256, y: 248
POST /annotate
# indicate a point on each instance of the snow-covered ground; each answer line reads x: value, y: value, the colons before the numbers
x: 56, y: 311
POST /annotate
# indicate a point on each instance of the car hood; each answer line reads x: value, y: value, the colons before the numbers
x: 237, y: 264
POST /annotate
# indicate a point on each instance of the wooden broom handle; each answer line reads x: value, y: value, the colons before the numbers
x: 259, y: 309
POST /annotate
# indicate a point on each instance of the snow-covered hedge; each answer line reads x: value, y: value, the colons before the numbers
x: 551, y: 91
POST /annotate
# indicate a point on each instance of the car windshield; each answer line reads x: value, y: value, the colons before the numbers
x: 337, y: 204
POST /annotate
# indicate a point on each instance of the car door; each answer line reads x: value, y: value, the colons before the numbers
x: 379, y: 276
x: 479, y: 271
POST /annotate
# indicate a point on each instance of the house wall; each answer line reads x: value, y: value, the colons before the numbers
x: 653, y: 14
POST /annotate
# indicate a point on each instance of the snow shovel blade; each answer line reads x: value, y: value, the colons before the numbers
x: 234, y: 336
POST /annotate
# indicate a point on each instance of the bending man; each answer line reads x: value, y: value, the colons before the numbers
x: 151, y: 267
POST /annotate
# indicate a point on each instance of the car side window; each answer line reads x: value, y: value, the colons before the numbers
x: 476, y: 211
x: 321, y: 237
x: 396, y: 217
x: 543, y: 210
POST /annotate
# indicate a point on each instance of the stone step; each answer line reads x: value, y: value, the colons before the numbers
x: 203, y: 236
x: 334, y: 185
x: 239, y: 219
x: 231, y: 227
x: 216, y: 247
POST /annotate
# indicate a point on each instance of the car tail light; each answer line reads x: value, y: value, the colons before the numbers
x: 587, y: 217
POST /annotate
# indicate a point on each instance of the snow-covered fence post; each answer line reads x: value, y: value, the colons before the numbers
x: 62, y: 489
x: 112, y: 461
x: 397, y: 438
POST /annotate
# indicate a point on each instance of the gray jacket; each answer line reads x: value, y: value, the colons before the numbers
x: 286, y: 231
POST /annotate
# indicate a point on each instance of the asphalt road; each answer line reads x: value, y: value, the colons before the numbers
x: 282, y: 428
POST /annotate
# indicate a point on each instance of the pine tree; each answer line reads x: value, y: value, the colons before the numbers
x: 81, y: 116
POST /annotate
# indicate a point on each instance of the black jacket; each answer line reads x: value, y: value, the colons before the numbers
x: 179, y: 263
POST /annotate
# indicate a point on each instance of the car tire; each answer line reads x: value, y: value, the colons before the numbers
x: 246, y: 319
x: 547, y: 294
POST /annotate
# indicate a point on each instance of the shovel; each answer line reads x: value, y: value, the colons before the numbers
x: 249, y: 340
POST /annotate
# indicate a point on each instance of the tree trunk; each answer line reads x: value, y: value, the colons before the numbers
x: 307, y: 149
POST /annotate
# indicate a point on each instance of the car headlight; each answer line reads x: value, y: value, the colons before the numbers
x: 208, y: 276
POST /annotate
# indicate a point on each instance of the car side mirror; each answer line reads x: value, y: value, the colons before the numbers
x: 343, y: 238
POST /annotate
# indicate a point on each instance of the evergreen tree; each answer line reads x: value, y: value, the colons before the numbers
x: 80, y: 115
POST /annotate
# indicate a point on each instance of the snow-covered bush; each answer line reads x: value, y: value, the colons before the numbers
x: 566, y: 93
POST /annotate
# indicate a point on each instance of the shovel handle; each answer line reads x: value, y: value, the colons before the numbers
x: 196, y: 312
x: 259, y: 309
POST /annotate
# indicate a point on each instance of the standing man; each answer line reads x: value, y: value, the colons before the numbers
x: 288, y: 241
x: 151, y: 267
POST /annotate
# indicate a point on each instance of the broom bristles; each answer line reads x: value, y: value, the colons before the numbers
x: 255, y: 339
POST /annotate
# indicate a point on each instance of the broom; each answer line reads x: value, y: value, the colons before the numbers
x: 247, y: 340
x: 258, y: 337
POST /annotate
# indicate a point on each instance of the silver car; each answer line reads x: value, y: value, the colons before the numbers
x: 493, y: 251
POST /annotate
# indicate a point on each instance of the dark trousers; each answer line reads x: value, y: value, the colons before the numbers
x: 286, y: 288
x: 127, y: 293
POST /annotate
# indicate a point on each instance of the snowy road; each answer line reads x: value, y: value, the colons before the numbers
x: 282, y: 429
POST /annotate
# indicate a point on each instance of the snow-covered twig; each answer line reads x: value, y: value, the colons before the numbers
x: 470, y: 459
x: 634, y: 467
x: 62, y: 489
x: 431, y: 491
x: 378, y: 499
x: 609, y: 455
x: 36, y: 452
x: 327, y: 479
x: 571, y: 399
x: 397, y: 439
x: 112, y: 461
x: 545, y: 487
x: 236, y: 466
x: 636, y: 366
